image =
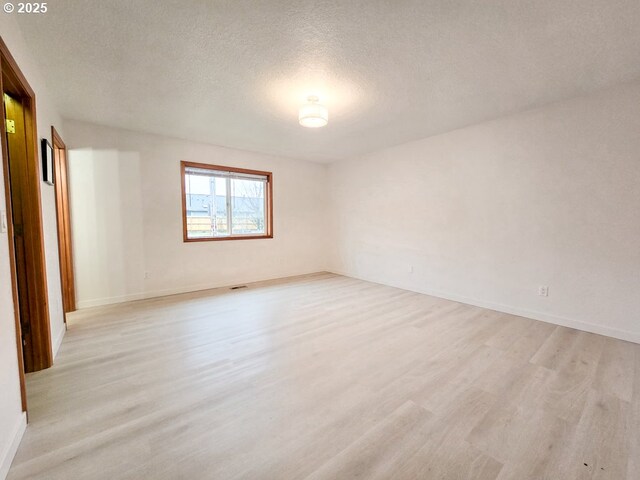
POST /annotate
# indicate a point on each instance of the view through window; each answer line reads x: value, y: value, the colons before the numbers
x: 225, y: 202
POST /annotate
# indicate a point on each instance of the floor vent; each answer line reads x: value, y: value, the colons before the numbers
x: 239, y: 286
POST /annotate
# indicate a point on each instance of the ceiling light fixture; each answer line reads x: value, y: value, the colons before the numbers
x: 312, y: 114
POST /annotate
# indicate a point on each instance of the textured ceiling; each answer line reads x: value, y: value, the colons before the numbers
x: 234, y: 72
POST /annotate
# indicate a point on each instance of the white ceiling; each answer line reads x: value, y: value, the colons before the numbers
x: 234, y: 72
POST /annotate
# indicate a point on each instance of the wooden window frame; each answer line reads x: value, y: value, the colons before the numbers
x: 268, y: 210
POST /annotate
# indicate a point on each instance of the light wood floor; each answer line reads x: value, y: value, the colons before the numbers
x: 327, y: 377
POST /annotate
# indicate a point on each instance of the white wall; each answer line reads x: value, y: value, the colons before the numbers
x: 12, y: 421
x: 488, y: 213
x: 483, y: 215
x: 126, y: 218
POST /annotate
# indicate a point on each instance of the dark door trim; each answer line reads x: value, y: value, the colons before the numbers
x: 65, y: 249
x: 41, y: 354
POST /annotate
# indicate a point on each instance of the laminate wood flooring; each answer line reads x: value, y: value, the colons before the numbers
x: 327, y: 377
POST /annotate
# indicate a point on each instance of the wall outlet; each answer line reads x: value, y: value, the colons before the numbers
x: 146, y: 275
x: 543, y: 291
x: 3, y: 221
x: 410, y: 269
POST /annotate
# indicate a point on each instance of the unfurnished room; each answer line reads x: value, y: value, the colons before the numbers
x: 320, y: 240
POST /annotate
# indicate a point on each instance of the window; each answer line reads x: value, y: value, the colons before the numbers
x: 224, y: 203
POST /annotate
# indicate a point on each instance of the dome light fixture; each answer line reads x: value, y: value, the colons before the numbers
x: 312, y: 114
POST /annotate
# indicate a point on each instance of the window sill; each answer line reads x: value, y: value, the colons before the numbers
x: 218, y: 239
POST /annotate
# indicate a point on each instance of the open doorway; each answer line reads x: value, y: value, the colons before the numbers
x: 24, y: 219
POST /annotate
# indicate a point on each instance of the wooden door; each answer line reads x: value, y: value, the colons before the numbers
x: 20, y: 165
x: 16, y: 150
x: 65, y: 251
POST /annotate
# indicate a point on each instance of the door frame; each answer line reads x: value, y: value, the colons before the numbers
x: 65, y: 247
x: 42, y: 351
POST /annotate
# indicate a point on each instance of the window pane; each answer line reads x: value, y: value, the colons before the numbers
x: 225, y: 203
x: 248, y: 207
x: 219, y: 188
x: 206, y: 206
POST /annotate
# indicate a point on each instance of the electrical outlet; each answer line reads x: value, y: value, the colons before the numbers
x: 543, y: 291
x: 146, y: 275
x: 410, y: 269
x: 3, y: 221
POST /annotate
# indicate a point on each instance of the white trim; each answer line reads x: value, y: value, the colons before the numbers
x: 522, y: 312
x: 97, y: 302
x: 12, y: 448
x: 58, y: 340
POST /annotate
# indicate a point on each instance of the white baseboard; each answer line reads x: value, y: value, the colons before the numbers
x: 97, y: 302
x: 11, y: 449
x: 58, y: 340
x: 521, y: 312
x: 513, y: 310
